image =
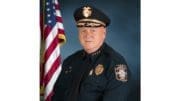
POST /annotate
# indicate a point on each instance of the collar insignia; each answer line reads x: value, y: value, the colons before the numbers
x: 99, y: 69
x: 121, y: 72
x: 87, y: 11
x: 68, y: 70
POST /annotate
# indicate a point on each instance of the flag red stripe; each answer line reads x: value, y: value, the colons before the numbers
x: 49, y: 96
x: 60, y: 31
x: 59, y: 19
x: 51, y: 48
x: 57, y: 7
x: 50, y: 73
x: 47, y: 31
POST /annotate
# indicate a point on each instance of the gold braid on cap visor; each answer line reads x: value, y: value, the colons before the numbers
x: 88, y: 24
x: 91, y: 20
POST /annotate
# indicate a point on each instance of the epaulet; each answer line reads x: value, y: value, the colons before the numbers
x: 111, y: 53
x: 118, y: 65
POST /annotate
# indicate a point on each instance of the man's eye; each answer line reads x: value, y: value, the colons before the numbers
x: 83, y: 31
x: 93, y: 30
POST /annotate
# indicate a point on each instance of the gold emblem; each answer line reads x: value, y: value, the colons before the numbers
x: 87, y: 11
x: 121, y: 72
x: 99, y: 69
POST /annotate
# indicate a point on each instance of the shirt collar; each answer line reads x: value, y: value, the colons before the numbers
x: 92, y: 56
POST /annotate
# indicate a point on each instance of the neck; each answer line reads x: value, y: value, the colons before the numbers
x: 90, y: 51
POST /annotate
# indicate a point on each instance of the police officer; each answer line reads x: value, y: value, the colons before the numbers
x: 96, y: 73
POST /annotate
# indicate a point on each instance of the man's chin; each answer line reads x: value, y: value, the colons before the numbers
x: 88, y: 48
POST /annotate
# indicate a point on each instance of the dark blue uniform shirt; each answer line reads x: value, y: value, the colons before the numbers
x: 100, y: 76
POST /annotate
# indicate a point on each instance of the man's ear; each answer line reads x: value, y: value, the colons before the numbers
x: 105, y: 31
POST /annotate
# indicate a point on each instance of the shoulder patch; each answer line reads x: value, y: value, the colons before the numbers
x: 121, y: 72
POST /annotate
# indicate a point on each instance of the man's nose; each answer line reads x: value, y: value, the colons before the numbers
x: 88, y: 34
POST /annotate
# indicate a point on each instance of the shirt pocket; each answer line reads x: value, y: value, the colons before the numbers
x: 95, y: 82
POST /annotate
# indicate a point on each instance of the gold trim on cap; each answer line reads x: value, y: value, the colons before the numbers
x: 92, y: 20
x: 88, y: 24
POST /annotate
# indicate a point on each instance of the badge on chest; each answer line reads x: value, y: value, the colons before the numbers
x: 98, y: 70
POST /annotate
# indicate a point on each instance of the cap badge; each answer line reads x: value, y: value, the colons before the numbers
x: 121, y: 72
x: 87, y: 11
x: 99, y: 69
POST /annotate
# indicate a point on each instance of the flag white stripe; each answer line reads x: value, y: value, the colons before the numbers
x: 51, y: 36
x: 51, y: 83
x: 52, y: 58
x: 56, y: 2
x: 58, y: 13
x: 60, y: 25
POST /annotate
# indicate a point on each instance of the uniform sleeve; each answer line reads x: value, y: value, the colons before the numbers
x: 61, y: 84
x: 118, y: 87
x: 59, y: 88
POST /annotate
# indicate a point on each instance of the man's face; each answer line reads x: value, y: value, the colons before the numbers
x: 91, y: 38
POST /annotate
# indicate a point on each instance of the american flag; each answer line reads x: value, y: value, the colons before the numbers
x: 52, y: 37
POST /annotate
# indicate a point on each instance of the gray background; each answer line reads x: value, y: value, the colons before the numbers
x: 123, y: 34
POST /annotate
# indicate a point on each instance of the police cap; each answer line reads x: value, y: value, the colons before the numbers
x: 89, y: 16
